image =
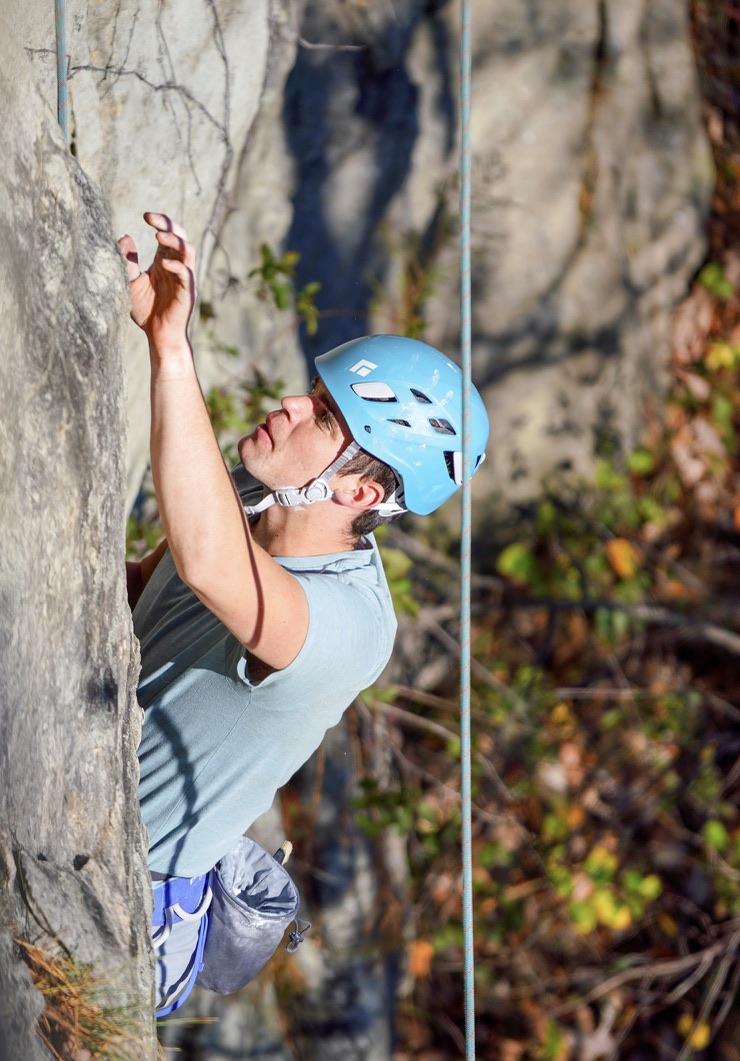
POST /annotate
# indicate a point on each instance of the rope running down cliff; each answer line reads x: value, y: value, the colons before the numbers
x: 465, y: 539
x: 61, y: 35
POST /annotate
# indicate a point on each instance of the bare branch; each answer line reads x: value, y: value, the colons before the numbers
x: 331, y: 47
x: 653, y: 971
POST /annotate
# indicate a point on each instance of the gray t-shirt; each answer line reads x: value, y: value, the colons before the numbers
x: 215, y: 745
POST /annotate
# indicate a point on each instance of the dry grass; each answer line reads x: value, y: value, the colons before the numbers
x: 78, y: 1022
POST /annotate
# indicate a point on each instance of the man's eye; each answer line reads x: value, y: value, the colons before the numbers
x: 325, y: 419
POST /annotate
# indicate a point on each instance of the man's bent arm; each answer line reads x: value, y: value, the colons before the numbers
x: 201, y: 513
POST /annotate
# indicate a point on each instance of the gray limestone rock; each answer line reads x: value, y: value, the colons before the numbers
x: 170, y: 106
x: 72, y: 844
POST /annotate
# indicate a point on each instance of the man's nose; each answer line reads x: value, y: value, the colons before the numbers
x: 297, y: 406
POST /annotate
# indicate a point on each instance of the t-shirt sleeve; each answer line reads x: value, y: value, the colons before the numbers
x: 348, y: 642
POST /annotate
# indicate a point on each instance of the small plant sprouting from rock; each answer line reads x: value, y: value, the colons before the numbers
x: 276, y: 276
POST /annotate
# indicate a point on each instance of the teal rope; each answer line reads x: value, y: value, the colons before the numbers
x: 465, y: 757
x: 61, y: 32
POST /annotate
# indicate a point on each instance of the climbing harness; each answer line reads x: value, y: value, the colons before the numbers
x: 177, y: 900
x: 172, y: 901
x: 465, y: 538
x: 61, y: 37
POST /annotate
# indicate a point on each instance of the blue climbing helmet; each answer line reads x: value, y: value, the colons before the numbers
x: 402, y: 401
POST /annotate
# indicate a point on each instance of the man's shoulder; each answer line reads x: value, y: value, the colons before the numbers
x: 348, y: 586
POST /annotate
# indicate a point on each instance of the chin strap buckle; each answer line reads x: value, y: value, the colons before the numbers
x: 317, y: 490
x: 288, y: 496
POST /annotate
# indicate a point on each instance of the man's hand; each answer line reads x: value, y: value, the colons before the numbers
x: 162, y: 298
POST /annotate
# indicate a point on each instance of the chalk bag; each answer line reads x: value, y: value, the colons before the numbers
x: 254, y: 902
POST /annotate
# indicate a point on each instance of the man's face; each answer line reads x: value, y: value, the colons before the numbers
x: 297, y: 442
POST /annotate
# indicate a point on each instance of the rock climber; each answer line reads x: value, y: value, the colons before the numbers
x: 265, y: 609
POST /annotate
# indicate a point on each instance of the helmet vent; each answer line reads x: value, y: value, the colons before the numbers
x: 451, y: 465
x: 421, y: 397
x: 454, y: 464
x: 374, y: 391
x: 403, y: 423
x: 443, y: 427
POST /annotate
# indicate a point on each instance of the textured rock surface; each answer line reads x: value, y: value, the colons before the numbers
x: 72, y: 848
x: 591, y: 178
x: 596, y: 112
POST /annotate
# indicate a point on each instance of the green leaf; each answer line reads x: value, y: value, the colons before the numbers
x: 715, y: 835
x: 282, y: 294
x: 554, y: 827
x: 546, y: 517
x: 608, y: 478
x: 554, y: 1047
x: 612, y: 718
x: 649, y: 509
x: 288, y: 262
x: 650, y: 887
x: 641, y: 462
x: 517, y: 563
x: 712, y: 277
x: 453, y: 748
x: 561, y: 880
x: 395, y: 563
x: 721, y: 355
x: 600, y: 864
x: 583, y: 916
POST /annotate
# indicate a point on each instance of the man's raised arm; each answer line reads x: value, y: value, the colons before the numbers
x: 202, y: 516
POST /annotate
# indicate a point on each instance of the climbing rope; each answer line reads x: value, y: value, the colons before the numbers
x: 61, y: 33
x: 465, y: 758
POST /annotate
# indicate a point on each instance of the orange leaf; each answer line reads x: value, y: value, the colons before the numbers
x: 622, y: 557
x: 576, y: 816
x: 421, y: 953
x: 673, y: 588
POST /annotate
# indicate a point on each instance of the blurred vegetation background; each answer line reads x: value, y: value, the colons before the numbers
x: 606, y: 734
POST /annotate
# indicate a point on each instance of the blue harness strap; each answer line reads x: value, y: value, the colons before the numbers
x: 195, y: 969
x: 184, y: 893
x: 182, y: 899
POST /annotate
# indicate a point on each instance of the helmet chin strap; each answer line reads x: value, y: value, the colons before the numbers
x: 317, y: 490
x: 393, y: 504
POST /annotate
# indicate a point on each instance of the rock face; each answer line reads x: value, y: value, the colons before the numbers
x: 175, y: 107
x: 72, y: 848
x: 591, y: 179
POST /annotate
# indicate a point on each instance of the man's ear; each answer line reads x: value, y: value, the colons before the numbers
x: 354, y: 492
